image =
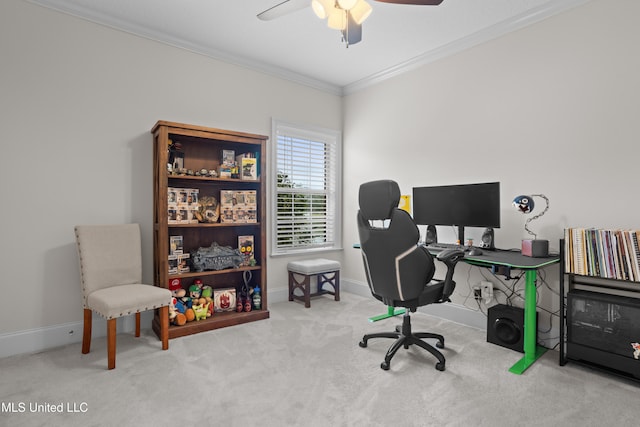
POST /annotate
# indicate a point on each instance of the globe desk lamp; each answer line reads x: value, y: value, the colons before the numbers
x: 532, y: 247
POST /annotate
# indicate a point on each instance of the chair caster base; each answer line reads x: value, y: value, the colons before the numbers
x: 439, y: 366
x: 362, y: 344
x: 440, y: 344
x: 385, y: 366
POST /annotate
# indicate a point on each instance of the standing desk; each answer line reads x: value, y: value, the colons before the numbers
x: 515, y: 260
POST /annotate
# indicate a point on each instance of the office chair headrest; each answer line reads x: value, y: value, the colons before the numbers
x: 377, y: 199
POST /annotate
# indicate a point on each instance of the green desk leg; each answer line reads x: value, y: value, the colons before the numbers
x: 532, y: 351
x: 391, y: 311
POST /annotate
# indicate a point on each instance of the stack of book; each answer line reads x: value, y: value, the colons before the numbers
x: 610, y: 254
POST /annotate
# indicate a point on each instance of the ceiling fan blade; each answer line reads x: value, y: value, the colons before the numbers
x: 283, y: 8
x: 418, y: 2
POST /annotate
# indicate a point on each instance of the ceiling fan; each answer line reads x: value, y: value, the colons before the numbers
x: 287, y: 6
x: 344, y: 15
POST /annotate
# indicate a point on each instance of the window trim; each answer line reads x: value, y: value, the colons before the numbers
x: 328, y: 136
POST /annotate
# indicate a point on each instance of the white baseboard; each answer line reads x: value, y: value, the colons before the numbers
x: 41, y: 339
x: 450, y: 311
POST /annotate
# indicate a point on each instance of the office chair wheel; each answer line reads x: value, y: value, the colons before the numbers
x: 439, y: 366
x: 385, y: 366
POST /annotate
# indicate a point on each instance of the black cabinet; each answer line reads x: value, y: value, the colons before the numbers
x: 600, y: 322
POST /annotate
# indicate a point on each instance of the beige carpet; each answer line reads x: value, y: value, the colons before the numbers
x: 303, y: 367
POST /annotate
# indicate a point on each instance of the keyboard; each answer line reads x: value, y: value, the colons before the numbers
x: 439, y: 247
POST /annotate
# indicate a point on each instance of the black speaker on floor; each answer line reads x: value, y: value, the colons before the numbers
x: 488, y: 239
x: 432, y: 235
x: 505, y: 326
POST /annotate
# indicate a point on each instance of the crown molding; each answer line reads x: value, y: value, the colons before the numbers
x: 551, y: 8
x: 504, y: 27
x: 87, y: 14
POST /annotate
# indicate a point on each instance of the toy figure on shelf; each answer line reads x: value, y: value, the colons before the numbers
x: 175, y: 316
x: 195, y: 291
x: 207, y: 294
x: 200, y: 310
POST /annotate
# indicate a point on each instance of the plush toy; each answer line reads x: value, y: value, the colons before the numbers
x: 207, y: 294
x: 175, y: 316
x: 200, y: 310
x: 195, y: 291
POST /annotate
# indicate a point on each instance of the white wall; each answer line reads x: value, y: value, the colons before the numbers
x: 552, y: 109
x: 77, y: 104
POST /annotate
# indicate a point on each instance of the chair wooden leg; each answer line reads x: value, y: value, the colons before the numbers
x: 86, y: 332
x: 111, y: 343
x: 137, y: 324
x: 164, y: 327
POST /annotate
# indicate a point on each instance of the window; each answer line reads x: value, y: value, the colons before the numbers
x: 305, y: 189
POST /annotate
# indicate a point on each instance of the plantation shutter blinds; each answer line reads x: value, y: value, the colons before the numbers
x: 307, y: 190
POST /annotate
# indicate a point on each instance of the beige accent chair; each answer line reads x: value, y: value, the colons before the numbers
x: 111, y: 275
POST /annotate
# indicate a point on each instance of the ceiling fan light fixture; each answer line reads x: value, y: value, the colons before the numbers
x: 337, y: 19
x: 347, y: 4
x: 361, y: 11
x: 322, y: 8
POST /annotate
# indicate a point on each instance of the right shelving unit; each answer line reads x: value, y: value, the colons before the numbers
x: 600, y: 300
x: 199, y: 153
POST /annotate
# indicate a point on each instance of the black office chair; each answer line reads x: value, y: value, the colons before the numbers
x: 398, y: 270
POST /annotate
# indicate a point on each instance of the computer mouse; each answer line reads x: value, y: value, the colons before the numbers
x: 475, y: 252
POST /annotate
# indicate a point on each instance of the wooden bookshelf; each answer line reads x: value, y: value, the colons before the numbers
x: 201, y: 148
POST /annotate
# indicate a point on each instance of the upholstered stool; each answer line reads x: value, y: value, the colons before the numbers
x: 326, y: 271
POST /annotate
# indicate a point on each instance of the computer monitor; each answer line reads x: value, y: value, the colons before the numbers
x: 467, y: 205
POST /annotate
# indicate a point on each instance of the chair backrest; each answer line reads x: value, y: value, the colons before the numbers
x: 397, y: 269
x: 110, y: 255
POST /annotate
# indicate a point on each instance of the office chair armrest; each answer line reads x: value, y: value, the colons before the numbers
x: 451, y: 254
x: 450, y: 258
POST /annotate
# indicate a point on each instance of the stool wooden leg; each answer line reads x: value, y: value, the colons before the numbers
x: 307, y: 291
x: 291, y: 286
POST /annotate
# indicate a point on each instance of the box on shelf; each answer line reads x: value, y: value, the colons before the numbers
x: 182, y: 205
x: 224, y: 171
x: 173, y: 264
x: 228, y: 158
x: 175, y: 245
x: 172, y: 197
x: 238, y: 206
x: 224, y: 299
x: 247, y: 167
x: 192, y: 198
x: 183, y: 263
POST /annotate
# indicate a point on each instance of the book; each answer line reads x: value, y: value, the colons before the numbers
x: 610, y: 254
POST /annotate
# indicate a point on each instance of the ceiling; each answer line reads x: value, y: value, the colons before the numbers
x: 300, y: 47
